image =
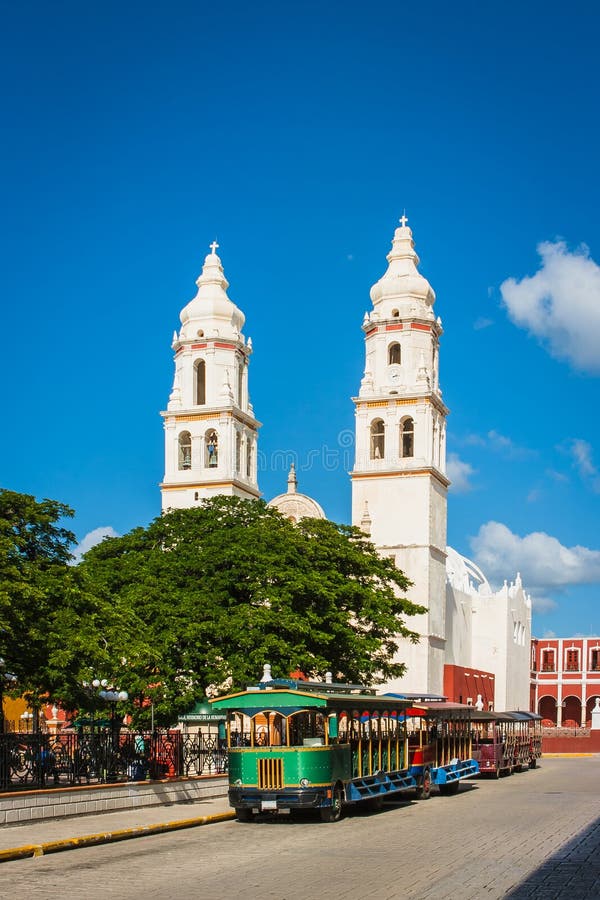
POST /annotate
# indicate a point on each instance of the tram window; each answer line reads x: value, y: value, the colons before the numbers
x: 304, y: 726
x: 269, y: 729
x: 343, y: 728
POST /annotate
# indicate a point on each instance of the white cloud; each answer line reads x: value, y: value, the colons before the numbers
x: 481, y: 323
x: 540, y: 603
x: 499, y: 443
x: 581, y: 452
x: 560, y: 304
x: 91, y: 539
x: 459, y: 473
x: 557, y: 476
x: 505, y: 445
x: 544, y: 563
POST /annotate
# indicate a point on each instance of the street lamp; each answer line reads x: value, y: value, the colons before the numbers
x: 107, y: 692
x: 26, y: 718
x: 102, y: 689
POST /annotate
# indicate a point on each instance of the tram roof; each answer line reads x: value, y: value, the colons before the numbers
x: 484, y: 715
x: 320, y: 687
x: 523, y: 715
x: 444, y: 709
x: 421, y: 697
x: 257, y: 699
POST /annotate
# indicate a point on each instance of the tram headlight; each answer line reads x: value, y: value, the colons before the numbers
x: 304, y: 782
x: 238, y: 782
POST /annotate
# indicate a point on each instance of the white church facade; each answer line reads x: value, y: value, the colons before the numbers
x: 474, y: 642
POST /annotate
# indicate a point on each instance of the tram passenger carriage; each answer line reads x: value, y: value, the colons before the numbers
x: 316, y: 745
x: 506, y: 742
x: 439, y: 743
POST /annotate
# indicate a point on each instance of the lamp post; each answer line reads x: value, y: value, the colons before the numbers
x: 107, y: 692
x: 26, y: 718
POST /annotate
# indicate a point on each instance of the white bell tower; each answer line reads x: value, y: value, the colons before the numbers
x: 210, y: 429
x: 399, y: 485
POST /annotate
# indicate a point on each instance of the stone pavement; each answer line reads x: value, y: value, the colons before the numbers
x: 572, y: 873
x: 76, y: 827
x: 532, y: 836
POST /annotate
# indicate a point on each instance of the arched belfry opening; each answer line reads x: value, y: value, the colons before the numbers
x: 185, y: 450
x: 394, y: 354
x: 377, y: 439
x: 407, y: 438
x: 200, y: 382
x: 211, y: 447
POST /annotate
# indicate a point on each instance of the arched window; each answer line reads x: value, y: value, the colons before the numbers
x: 407, y: 438
x: 240, y: 381
x: 185, y: 450
x: 211, y: 455
x: 394, y: 354
x: 377, y: 439
x: 248, y: 458
x: 238, y: 451
x: 395, y: 314
x: 200, y: 386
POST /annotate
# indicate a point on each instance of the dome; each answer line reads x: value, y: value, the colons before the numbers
x: 295, y: 506
x: 211, y: 312
x: 402, y: 283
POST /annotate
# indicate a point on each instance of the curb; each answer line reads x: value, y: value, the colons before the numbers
x: 566, y: 755
x: 124, y: 834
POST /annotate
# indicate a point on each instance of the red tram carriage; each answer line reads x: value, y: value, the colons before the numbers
x: 505, y: 742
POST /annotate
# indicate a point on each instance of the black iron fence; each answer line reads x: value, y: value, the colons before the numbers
x: 41, y: 760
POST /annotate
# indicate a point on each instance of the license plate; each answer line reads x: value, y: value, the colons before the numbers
x: 269, y: 804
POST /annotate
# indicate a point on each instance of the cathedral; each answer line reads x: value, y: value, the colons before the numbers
x: 474, y: 642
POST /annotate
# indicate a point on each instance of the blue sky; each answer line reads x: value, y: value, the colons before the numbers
x: 134, y: 134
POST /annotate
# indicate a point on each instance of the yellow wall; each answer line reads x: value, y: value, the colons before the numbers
x: 13, y: 710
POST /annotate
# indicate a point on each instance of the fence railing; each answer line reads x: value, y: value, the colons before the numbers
x: 41, y: 760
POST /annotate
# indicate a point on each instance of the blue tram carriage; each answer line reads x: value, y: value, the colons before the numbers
x: 439, y: 743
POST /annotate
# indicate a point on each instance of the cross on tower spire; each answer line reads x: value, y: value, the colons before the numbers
x: 213, y: 247
x: 403, y: 219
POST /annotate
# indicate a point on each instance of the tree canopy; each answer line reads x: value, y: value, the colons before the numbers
x: 206, y: 596
x: 36, y: 589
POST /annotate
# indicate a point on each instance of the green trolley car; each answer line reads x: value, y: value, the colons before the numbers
x: 313, y: 745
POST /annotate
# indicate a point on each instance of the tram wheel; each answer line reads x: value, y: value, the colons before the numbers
x: 333, y: 813
x: 423, y: 791
x: 243, y: 815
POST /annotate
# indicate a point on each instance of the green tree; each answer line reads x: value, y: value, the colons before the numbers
x: 216, y: 591
x: 35, y: 583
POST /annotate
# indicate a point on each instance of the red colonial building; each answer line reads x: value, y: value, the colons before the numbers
x: 565, y: 679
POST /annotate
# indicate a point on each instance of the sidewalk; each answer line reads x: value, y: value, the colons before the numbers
x: 110, y: 826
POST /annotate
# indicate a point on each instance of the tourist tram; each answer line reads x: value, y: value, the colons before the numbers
x: 316, y: 745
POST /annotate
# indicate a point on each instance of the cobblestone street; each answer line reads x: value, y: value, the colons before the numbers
x: 535, y: 834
